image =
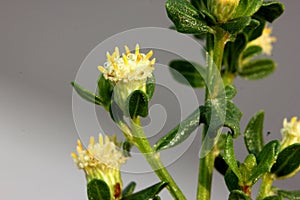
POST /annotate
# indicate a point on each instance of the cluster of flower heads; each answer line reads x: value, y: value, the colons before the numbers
x: 290, y: 132
x: 264, y: 41
x: 128, y: 67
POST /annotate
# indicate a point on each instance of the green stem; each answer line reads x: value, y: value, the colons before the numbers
x: 215, y: 46
x: 153, y: 159
x: 206, y: 168
x: 266, y: 186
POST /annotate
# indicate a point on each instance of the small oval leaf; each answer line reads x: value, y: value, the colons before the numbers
x: 220, y: 165
x: 105, y: 89
x: 137, y: 103
x: 253, y: 135
x: 292, y: 195
x: 147, y: 193
x: 247, y: 8
x: 128, y: 190
x: 150, y: 86
x: 251, y: 51
x: 192, y: 73
x: 229, y: 157
x: 180, y: 133
x: 186, y: 17
x: 265, y: 159
x: 257, y: 69
x: 87, y: 95
x: 270, y: 10
x: 288, y: 161
x: 236, y: 25
x: 231, y: 180
x: 98, y: 190
x: 273, y: 198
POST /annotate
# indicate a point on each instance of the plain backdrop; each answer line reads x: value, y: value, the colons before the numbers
x: 42, y: 45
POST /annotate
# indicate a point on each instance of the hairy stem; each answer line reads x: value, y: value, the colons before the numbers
x: 215, y: 47
x: 153, y: 159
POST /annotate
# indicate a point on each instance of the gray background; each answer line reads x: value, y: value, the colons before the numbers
x: 42, y: 46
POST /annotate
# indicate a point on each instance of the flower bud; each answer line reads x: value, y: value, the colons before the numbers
x: 128, y: 72
x: 101, y: 160
x: 223, y: 10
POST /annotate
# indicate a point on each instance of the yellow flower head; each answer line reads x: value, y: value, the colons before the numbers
x: 129, y: 72
x: 290, y: 132
x: 101, y: 160
x: 264, y: 41
x: 128, y: 67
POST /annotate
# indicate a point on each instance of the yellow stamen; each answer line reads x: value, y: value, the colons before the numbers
x: 152, y: 62
x: 127, y: 50
x: 102, y: 69
x: 138, y: 58
x: 137, y: 49
x: 101, y: 140
x: 79, y: 146
x: 115, y: 66
x: 149, y: 54
x: 125, y: 59
x: 108, y: 56
x: 117, y: 52
x: 74, y: 156
x: 92, y: 140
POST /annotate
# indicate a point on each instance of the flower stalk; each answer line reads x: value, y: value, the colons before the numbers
x: 153, y: 158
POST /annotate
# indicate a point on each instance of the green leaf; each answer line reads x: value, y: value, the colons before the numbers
x: 180, y: 133
x: 273, y: 198
x: 238, y: 195
x: 156, y: 198
x: 247, y: 8
x: 186, y: 17
x: 127, y: 148
x: 230, y: 91
x: 199, y: 4
x: 105, y: 90
x: 233, y: 51
x: 252, y: 26
x: 231, y: 180
x: 147, y: 193
x: 251, y: 51
x: 288, y: 161
x: 150, y: 86
x: 87, y: 95
x: 229, y: 156
x: 255, y: 29
x: 217, y: 113
x: 270, y: 10
x: 128, y: 190
x: 266, y: 158
x: 236, y: 25
x: 291, y: 195
x: 193, y: 73
x: 98, y: 190
x: 257, y: 69
x: 253, y: 135
x: 220, y: 165
x: 137, y: 104
x: 115, y: 112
